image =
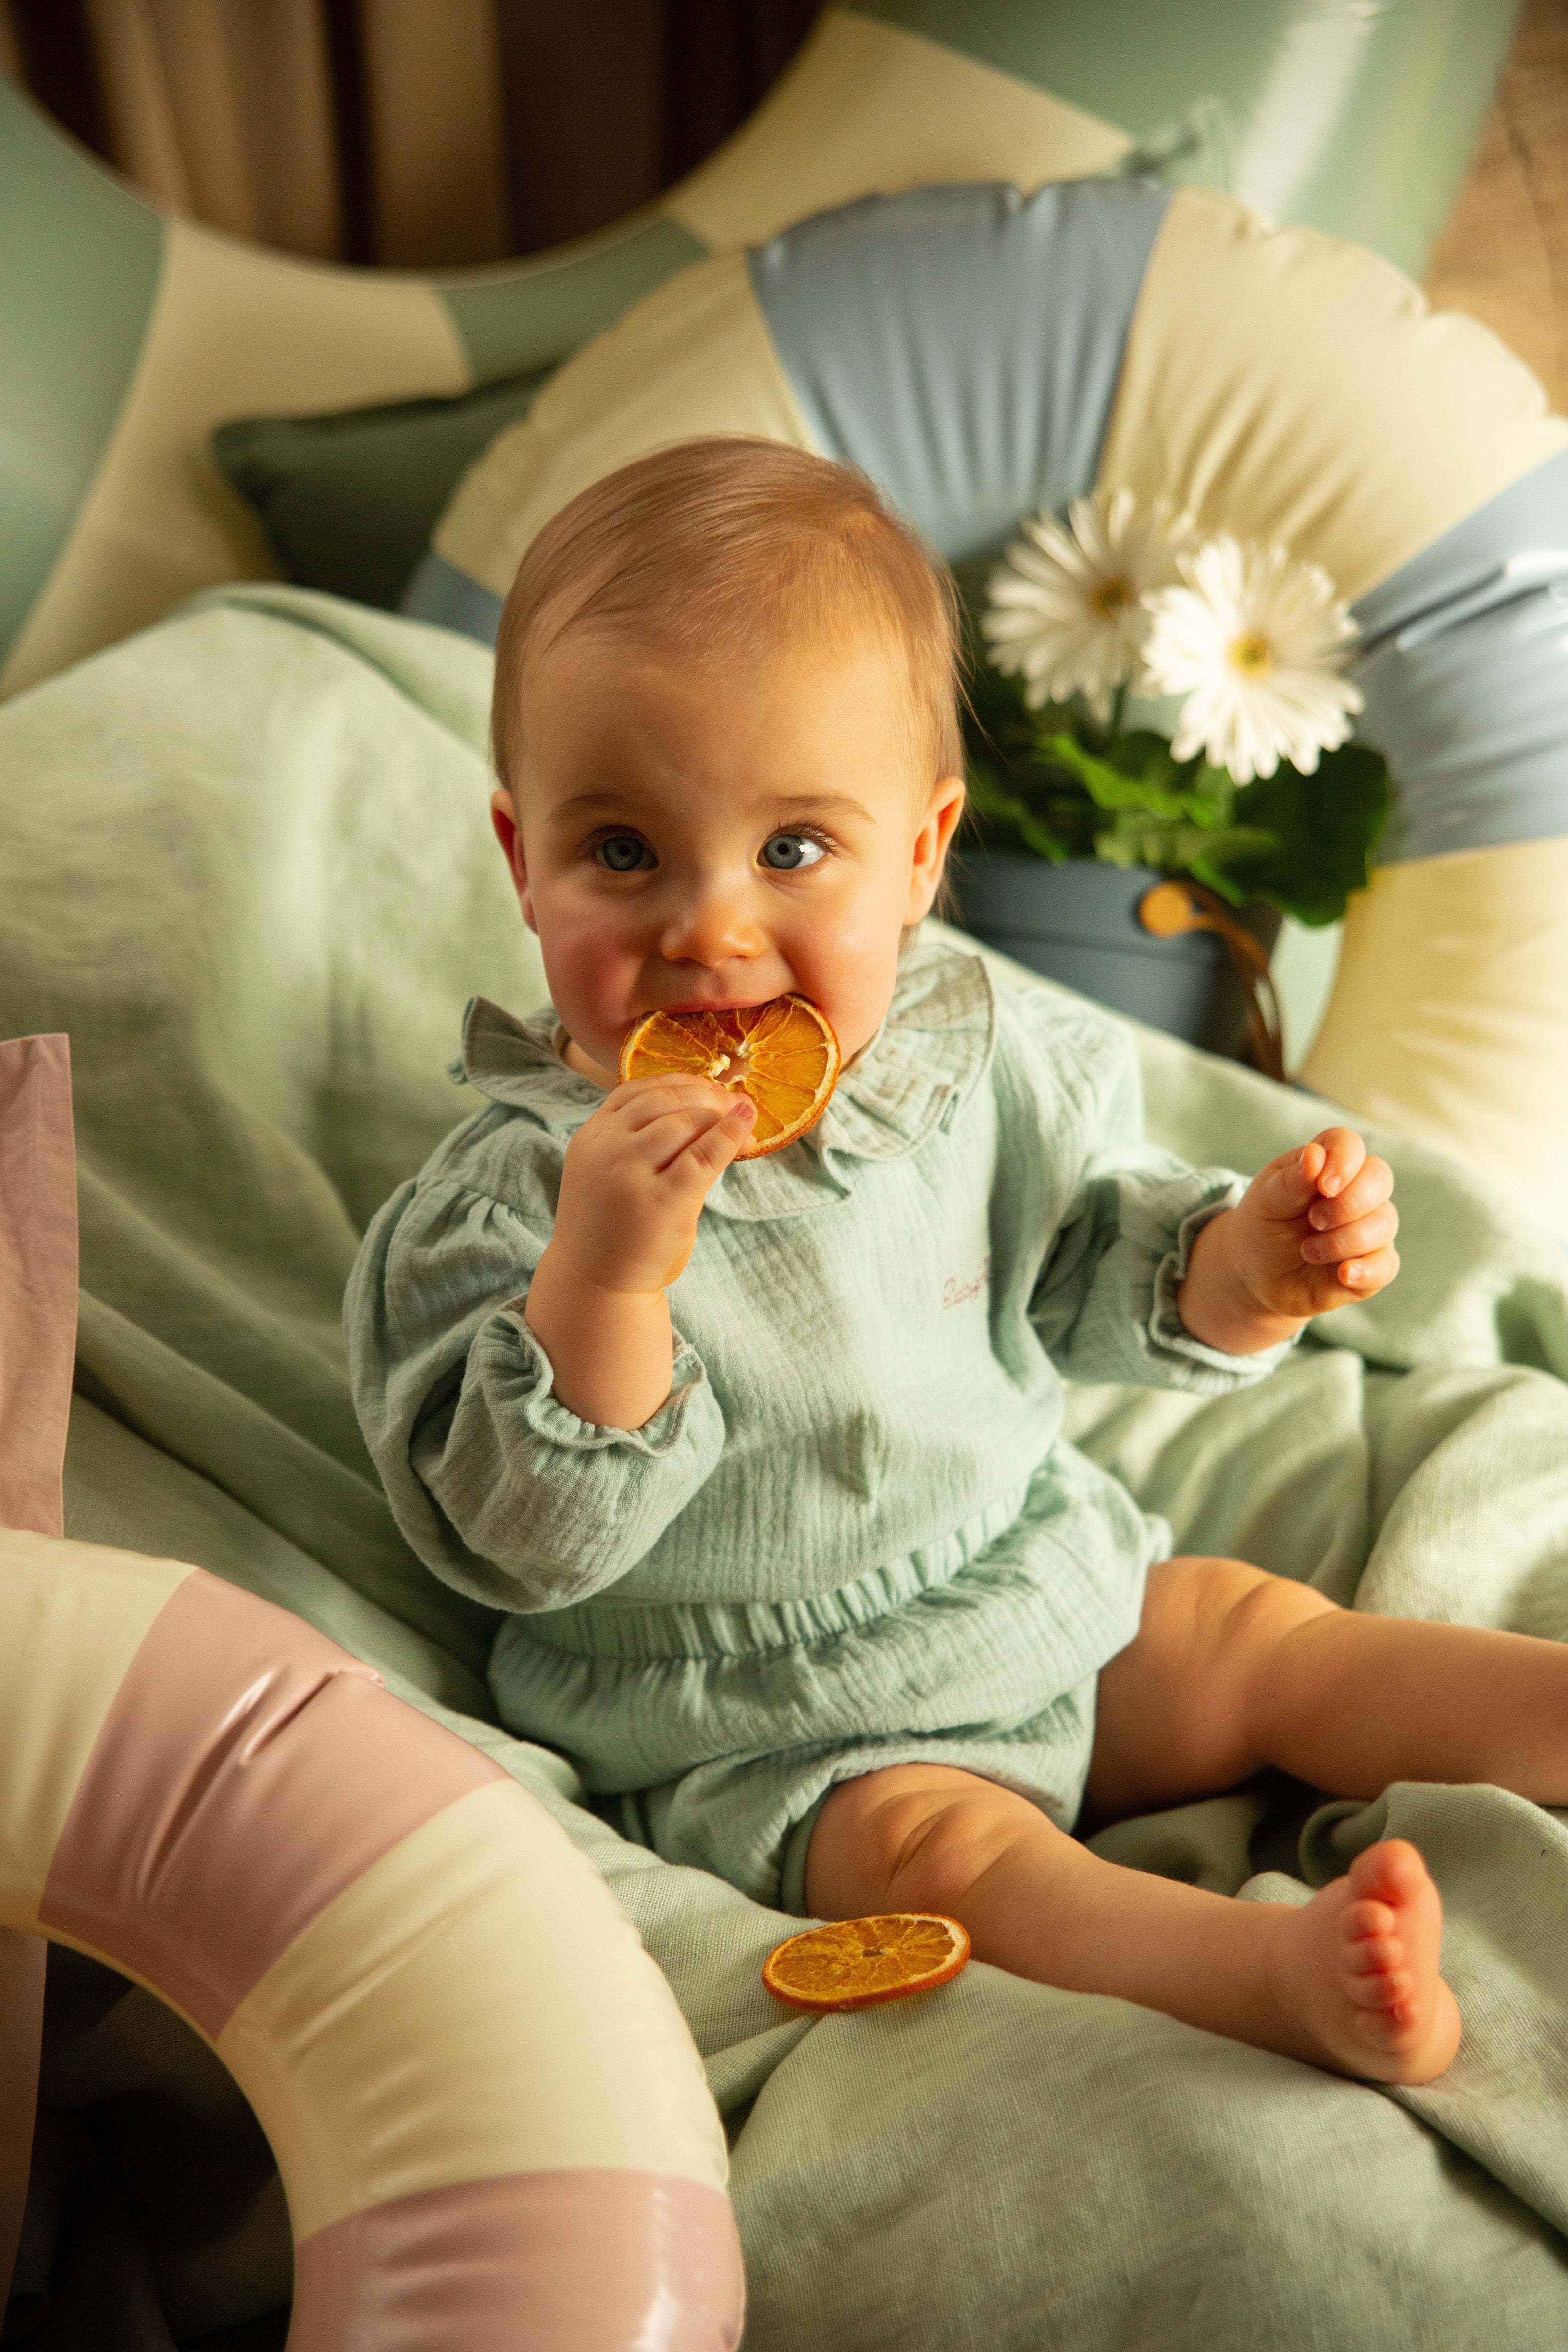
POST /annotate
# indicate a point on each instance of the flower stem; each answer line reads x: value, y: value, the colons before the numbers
x: 1117, y: 707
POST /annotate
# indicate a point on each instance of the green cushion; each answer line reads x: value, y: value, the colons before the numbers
x: 347, y: 502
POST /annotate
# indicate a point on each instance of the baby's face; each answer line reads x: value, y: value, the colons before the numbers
x: 691, y: 837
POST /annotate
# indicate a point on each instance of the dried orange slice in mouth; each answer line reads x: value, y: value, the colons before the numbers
x: 783, y: 1054
x: 858, y: 1963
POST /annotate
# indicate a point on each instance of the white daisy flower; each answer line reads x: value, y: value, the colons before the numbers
x: 1069, y: 610
x: 1256, y: 640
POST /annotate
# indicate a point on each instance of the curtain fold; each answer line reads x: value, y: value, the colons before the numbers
x: 224, y: 113
x: 582, y: 82
x: 437, y: 132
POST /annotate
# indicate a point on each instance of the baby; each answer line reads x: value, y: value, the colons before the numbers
x: 764, y: 1460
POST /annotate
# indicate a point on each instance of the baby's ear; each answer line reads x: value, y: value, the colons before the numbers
x: 503, y: 819
x: 931, y: 845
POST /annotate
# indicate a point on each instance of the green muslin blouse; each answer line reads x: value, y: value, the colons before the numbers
x: 852, y: 1535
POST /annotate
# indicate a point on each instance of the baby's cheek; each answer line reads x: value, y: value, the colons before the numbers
x: 849, y: 969
x: 593, y: 972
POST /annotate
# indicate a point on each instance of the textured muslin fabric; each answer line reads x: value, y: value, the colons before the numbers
x: 853, y: 1534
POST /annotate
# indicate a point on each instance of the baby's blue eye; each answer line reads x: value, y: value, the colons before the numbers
x: 788, y: 851
x: 623, y: 853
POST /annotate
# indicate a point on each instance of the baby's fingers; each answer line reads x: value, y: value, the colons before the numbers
x: 1365, y: 1192
x: 1289, y: 1184
x: 1358, y: 1277
x: 1358, y: 1237
x: 643, y: 1103
x: 1344, y: 1157
x: 707, y: 1154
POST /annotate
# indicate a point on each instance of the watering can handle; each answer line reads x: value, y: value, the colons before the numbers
x: 1171, y: 908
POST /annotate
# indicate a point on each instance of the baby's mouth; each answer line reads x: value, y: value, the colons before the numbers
x: 708, y: 1004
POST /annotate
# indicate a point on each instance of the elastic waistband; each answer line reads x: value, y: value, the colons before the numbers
x: 720, y: 1629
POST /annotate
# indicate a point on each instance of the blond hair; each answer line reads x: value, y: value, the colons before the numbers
x: 721, y: 549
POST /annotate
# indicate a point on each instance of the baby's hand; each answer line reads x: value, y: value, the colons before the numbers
x: 1314, y: 1229
x: 636, y: 1176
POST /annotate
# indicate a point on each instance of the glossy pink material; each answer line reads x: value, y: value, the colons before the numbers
x: 590, y: 2261
x: 38, y: 1279
x: 247, y: 1771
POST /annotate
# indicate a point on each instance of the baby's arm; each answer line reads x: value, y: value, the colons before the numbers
x: 1314, y: 1229
x: 632, y: 1187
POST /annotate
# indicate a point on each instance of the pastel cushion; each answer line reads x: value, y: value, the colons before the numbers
x: 346, y: 500
x: 912, y: 336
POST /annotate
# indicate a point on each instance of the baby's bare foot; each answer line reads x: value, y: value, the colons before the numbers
x: 1360, y: 1970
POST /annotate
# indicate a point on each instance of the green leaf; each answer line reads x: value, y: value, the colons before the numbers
x: 1325, y: 828
x: 1181, y: 849
x: 1007, y: 818
x: 1142, y: 753
x: 1208, y: 794
x: 1107, y: 787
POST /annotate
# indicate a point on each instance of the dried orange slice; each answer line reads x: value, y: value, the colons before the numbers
x: 856, y: 1963
x: 783, y: 1055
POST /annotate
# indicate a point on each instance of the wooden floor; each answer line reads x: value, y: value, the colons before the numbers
x: 1503, y: 255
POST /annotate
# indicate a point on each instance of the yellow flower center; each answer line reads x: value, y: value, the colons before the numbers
x: 1112, y: 598
x: 1250, y: 653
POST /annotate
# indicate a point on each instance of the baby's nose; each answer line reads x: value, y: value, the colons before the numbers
x: 710, y: 927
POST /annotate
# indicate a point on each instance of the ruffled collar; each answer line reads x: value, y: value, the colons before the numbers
x: 930, y: 1053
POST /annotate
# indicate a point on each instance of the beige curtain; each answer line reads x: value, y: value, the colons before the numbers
x: 417, y: 133
x: 437, y: 130
x: 224, y: 113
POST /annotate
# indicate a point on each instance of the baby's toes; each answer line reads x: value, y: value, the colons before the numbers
x: 1390, y: 1872
x: 1368, y: 1928
x: 1382, y: 1994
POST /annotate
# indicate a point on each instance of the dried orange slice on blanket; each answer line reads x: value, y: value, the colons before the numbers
x: 783, y: 1055
x: 856, y: 1963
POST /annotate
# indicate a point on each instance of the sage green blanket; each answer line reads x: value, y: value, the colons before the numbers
x: 245, y: 862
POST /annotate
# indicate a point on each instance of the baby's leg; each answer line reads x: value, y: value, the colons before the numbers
x: 1232, y: 1670
x: 1349, y: 1980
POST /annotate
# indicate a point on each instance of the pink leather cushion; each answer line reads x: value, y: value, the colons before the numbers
x: 584, y: 2261
x: 248, y: 1770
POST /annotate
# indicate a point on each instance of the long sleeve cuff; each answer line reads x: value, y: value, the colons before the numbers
x: 538, y: 1508
x: 1211, y: 1371
x: 544, y: 1413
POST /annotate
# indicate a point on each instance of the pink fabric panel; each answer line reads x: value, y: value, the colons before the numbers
x: 532, y: 2262
x: 247, y: 1771
x: 38, y: 1279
